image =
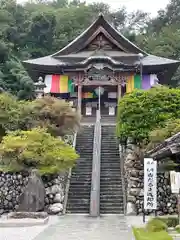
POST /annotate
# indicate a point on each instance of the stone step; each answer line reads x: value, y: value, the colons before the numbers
x: 80, y: 180
x: 110, y: 176
x: 79, y: 202
x: 110, y: 187
x: 118, y: 200
x: 110, y: 198
x: 83, y: 174
x: 82, y: 169
x: 110, y: 166
x: 78, y: 196
x: 113, y: 204
x: 109, y: 183
x: 111, y: 211
x: 79, y: 187
x: 80, y: 211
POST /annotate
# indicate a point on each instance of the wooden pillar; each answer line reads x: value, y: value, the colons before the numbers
x: 79, y: 97
x: 119, y: 91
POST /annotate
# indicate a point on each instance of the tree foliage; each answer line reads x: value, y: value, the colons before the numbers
x: 158, y: 135
x: 38, y: 28
x: 54, y: 114
x: 24, y: 150
x: 142, y: 111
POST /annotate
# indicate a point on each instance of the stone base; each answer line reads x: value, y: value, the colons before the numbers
x: 30, y: 215
x: 8, y: 222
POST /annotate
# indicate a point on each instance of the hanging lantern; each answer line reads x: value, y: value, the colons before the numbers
x: 99, y: 91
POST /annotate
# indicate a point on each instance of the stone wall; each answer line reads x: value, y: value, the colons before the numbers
x: 134, y: 177
x: 12, y: 186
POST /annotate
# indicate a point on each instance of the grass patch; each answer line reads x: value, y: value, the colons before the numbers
x: 143, y: 234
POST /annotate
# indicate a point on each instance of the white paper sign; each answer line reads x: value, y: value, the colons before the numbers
x: 112, y: 95
x: 150, y: 184
x: 175, y: 181
x: 111, y: 111
x: 88, y: 111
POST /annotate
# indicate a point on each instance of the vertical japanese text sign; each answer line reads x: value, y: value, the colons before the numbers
x: 150, y: 184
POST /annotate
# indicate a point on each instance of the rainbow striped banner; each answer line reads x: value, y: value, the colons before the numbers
x: 58, y: 84
x: 134, y: 82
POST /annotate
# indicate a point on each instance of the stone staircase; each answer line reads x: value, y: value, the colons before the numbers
x: 111, y: 195
x: 80, y: 184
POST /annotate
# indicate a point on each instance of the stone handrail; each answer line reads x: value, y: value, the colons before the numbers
x: 68, y: 179
x: 121, y: 154
x: 95, y: 179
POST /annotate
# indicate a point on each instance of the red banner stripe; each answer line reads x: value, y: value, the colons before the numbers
x: 55, y: 84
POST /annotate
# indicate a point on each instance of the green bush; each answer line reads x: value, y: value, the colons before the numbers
x: 156, y: 225
x: 169, y: 221
x: 142, y: 111
x: 158, y: 135
x: 24, y: 150
x: 142, y: 234
x: 177, y: 228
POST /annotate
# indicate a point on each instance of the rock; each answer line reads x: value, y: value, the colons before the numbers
x: 32, y: 199
x: 56, y: 181
x: 134, y: 173
x: 51, y: 196
x: 129, y: 164
x: 48, y: 190
x: 131, y: 199
x: 141, y: 192
x: 1, y: 211
x: 130, y: 209
x: 135, y: 191
x: 56, y: 189
x: 55, y: 208
x: 19, y: 176
x: 46, y: 200
x: 9, y: 197
x: 6, y: 202
x: 59, y: 198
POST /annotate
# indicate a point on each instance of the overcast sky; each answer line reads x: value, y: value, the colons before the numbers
x: 151, y: 6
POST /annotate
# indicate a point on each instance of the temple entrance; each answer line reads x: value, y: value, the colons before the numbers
x: 103, y: 98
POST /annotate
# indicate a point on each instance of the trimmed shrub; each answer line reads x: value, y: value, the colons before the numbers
x: 24, y: 150
x: 142, y: 111
x: 156, y: 225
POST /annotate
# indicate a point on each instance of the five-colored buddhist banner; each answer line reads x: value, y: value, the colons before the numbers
x: 135, y: 82
x: 58, y: 84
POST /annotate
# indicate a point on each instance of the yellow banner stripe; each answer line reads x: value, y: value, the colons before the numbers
x: 63, y: 86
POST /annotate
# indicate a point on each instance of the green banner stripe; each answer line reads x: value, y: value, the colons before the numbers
x: 137, y: 82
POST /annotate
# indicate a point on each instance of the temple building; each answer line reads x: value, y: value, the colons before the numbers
x: 98, y: 68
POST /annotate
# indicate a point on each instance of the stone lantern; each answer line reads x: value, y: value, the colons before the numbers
x: 39, y: 87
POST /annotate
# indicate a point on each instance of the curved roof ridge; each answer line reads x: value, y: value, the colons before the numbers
x: 100, y: 21
x: 73, y: 41
x: 126, y: 39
